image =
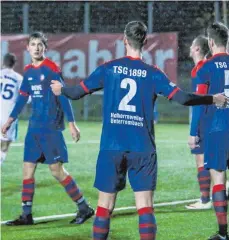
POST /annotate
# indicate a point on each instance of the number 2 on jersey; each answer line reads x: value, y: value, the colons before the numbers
x: 226, y: 86
x: 123, y: 105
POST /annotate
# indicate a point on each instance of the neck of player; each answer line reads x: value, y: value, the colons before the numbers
x: 133, y: 53
x: 197, y: 59
x: 217, y: 50
x: 37, y: 61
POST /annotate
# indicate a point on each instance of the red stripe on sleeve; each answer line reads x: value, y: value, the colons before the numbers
x: 173, y: 93
x: 202, y: 89
x: 25, y: 94
x: 84, y: 87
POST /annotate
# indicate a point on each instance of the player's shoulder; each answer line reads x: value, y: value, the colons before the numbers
x: 198, y: 66
x: 51, y: 65
x: 154, y: 69
x: 18, y: 76
x: 27, y: 67
x: 216, y: 58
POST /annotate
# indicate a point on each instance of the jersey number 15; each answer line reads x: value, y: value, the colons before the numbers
x: 7, y: 91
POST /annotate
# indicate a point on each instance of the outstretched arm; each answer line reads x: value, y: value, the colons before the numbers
x: 93, y: 83
x: 191, y: 99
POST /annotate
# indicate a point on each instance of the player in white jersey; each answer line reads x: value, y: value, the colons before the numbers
x: 10, y: 84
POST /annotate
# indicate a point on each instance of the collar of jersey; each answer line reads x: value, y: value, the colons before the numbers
x: 219, y: 54
x: 132, y: 58
x: 41, y: 64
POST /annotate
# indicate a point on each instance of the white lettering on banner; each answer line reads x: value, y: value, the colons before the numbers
x: 126, y: 119
x: 161, y: 56
x: 79, y: 63
x: 73, y: 68
x: 95, y: 55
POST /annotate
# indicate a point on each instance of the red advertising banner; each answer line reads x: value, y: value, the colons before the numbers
x: 79, y: 54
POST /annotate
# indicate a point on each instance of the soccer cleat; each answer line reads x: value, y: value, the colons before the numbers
x: 22, y: 220
x: 83, y: 216
x: 217, y: 236
x: 199, y: 205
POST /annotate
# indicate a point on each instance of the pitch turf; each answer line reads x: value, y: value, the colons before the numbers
x: 176, y: 181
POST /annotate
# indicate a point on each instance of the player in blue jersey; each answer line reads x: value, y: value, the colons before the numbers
x: 214, y: 76
x: 44, y: 141
x: 198, y: 50
x: 127, y: 141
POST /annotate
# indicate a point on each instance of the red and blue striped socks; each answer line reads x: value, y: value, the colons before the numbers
x: 204, y: 180
x: 147, y: 224
x: 101, y: 224
x: 74, y: 193
x: 27, y: 195
x: 219, y: 199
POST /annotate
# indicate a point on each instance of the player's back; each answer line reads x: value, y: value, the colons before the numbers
x: 10, y: 84
x: 218, y: 68
x: 129, y: 95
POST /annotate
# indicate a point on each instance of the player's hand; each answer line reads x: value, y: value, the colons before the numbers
x: 193, y: 142
x: 6, y: 126
x: 220, y: 100
x: 75, y: 131
x: 56, y: 87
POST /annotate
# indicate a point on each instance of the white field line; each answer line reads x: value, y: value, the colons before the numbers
x: 115, y: 210
x: 19, y: 144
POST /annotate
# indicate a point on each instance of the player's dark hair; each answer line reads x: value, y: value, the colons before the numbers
x: 219, y: 33
x: 9, y: 60
x: 136, y: 32
x: 202, y: 42
x: 39, y: 35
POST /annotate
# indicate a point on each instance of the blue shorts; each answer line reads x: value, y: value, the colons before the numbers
x: 48, y: 148
x: 216, y: 154
x: 112, y: 167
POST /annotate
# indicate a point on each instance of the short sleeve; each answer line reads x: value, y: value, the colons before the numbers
x: 202, y: 80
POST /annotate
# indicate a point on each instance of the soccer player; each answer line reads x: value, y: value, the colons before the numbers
x: 127, y: 141
x: 198, y: 50
x: 214, y: 76
x: 44, y: 141
x: 10, y: 84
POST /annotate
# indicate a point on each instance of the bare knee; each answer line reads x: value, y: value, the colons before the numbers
x: 58, y: 171
x: 218, y: 177
x: 29, y: 170
x: 143, y: 199
x: 199, y: 160
x: 107, y: 200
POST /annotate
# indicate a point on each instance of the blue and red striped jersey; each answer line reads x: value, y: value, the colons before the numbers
x: 197, y: 122
x: 214, y: 75
x: 47, y: 109
x: 130, y: 90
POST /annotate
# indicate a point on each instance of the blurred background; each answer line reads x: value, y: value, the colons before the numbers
x: 83, y: 35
